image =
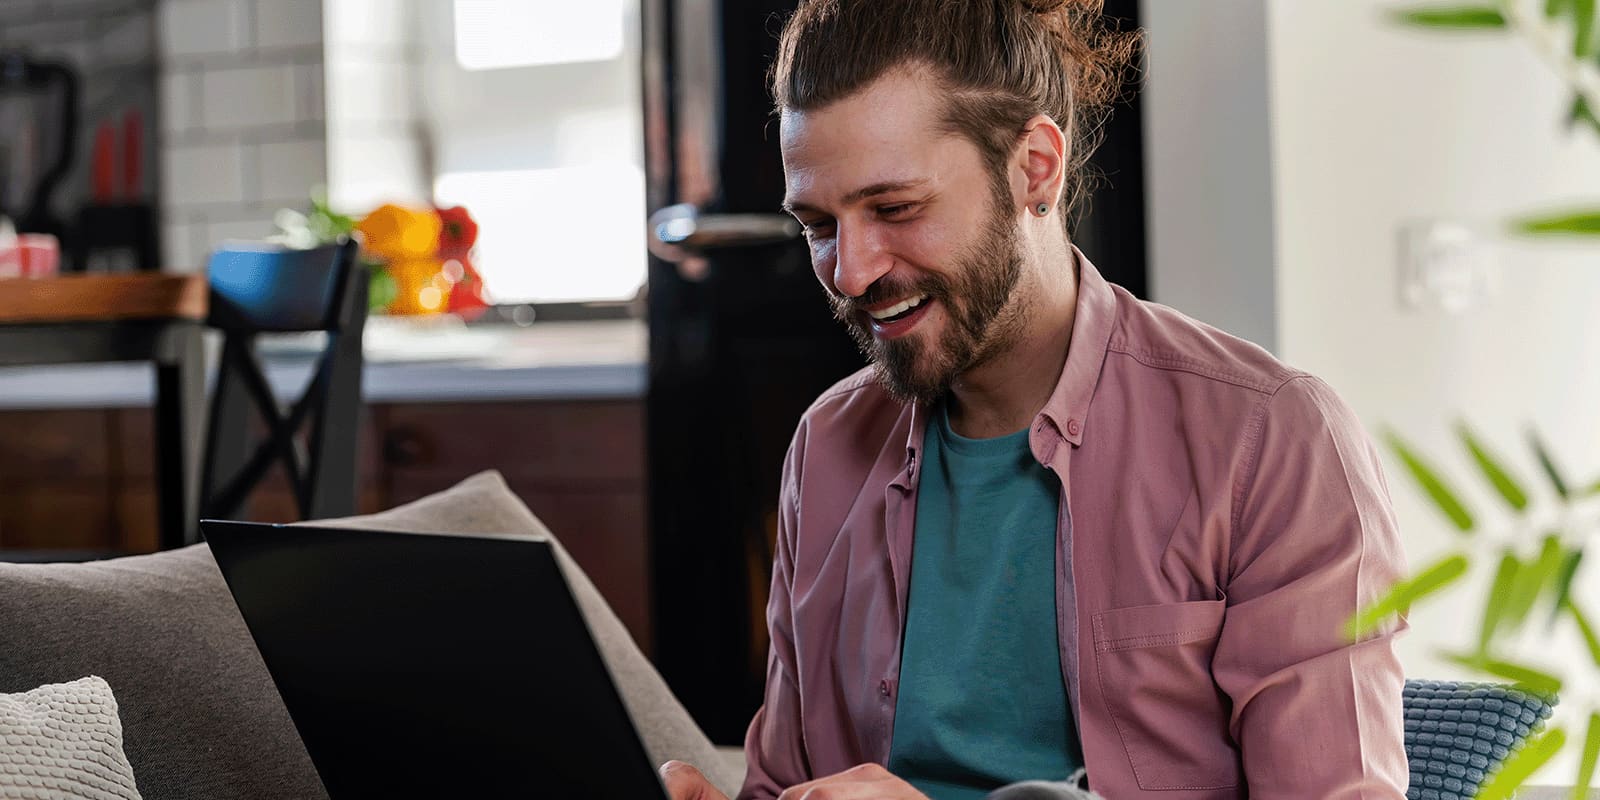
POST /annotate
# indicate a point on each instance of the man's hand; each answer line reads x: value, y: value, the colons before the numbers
x: 686, y: 783
x: 866, y: 782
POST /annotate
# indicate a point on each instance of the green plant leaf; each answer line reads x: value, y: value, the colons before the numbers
x: 1558, y: 482
x: 1586, y: 628
x: 1495, y: 604
x: 1580, y: 113
x: 1459, y: 18
x: 1531, y: 580
x: 1554, y: 7
x: 1582, y: 27
x: 1525, y: 677
x: 1442, y: 496
x: 1586, y: 764
x: 1569, y: 570
x: 1400, y: 596
x: 1523, y: 763
x: 1571, y: 223
x: 1499, y: 477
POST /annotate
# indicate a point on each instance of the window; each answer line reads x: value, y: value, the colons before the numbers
x: 535, y: 123
x: 495, y: 34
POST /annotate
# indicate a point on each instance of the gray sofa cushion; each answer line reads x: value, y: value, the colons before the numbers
x: 201, y: 718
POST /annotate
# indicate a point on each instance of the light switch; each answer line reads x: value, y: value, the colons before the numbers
x: 1447, y: 266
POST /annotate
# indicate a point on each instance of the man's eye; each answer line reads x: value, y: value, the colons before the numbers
x: 818, y: 227
x: 895, y: 210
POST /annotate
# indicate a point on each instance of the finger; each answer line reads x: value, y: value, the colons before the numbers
x: 684, y: 782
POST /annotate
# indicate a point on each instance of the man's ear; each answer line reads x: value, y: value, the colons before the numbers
x: 1039, y: 166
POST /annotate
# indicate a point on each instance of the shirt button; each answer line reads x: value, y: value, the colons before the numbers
x: 883, y: 688
x: 1073, y: 428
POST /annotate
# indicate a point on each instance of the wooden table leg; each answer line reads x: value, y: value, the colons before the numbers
x: 179, y: 419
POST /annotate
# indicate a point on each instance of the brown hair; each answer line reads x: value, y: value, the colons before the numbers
x: 1001, y: 61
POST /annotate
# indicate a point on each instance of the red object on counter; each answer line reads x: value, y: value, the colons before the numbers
x: 103, y: 165
x: 459, y: 234
x: 33, y: 255
x: 467, y: 297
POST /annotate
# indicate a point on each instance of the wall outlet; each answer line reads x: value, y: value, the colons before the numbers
x: 1445, y: 266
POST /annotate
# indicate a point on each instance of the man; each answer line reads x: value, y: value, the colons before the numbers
x: 1052, y: 527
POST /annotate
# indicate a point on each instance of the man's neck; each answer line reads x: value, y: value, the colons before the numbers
x: 1003, y: 395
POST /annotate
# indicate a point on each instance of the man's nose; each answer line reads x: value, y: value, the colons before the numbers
x: 859, y: 261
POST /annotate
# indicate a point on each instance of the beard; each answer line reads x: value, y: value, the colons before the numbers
x: 977, y: 298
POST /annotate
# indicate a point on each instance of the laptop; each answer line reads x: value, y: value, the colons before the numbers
x: 418, y: 665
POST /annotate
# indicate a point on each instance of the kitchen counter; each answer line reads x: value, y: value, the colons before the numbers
x: 407, y: 360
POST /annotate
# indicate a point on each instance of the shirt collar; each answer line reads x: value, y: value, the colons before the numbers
x: 1067, y: 409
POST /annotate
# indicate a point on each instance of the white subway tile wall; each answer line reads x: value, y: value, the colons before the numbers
x: 241, y: 125
x: 201, y: 174
x: 179, y: 102
x: 287, y: 168
x: 242, y: 90
x: 247, y: 97
x: 288, y: 23
x: 201, y: 27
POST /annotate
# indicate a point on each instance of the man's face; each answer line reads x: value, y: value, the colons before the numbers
x: 911, y: 234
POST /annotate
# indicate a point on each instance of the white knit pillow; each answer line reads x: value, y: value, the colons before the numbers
x: 63, y: 741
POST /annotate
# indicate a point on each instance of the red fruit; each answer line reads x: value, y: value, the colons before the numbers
x: 468, y: 299
x: 459, y: 234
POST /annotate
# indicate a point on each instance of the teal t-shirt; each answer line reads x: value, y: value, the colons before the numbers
x: 982, y: 701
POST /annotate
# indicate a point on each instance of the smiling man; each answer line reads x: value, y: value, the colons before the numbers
x: 1052, y: 528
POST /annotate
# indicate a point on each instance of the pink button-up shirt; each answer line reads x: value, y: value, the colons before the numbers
x: 1221, y: 517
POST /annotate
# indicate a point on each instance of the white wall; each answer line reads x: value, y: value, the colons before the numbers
x: 1373, y: 126
x: 1209, y: 184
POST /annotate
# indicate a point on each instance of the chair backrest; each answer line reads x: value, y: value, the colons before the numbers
x: 258, y: 289
x: 1457, y: 734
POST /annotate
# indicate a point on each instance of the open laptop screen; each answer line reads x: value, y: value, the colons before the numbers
x: 426, y: 665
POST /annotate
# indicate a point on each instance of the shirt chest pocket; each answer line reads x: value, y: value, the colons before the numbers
x: 1154, y: 668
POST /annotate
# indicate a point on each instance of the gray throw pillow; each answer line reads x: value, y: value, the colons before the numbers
x: 63, y: 740
x: 201, y: 718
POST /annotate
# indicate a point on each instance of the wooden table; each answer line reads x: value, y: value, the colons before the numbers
x: 151, y: 317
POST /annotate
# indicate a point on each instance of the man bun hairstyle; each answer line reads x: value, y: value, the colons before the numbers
x: 1001, y: 62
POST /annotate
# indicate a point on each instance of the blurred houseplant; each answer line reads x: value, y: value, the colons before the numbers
x: 420, y: 259
x: 1537, y: 558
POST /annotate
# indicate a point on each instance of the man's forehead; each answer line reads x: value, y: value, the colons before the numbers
x: 831, y: 157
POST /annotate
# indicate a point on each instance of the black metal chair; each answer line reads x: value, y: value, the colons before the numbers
x: 264, y: 291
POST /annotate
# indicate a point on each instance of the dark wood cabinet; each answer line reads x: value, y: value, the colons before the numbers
x: 81, y: 479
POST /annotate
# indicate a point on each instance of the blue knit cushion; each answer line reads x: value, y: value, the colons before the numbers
x: 1458, y: 733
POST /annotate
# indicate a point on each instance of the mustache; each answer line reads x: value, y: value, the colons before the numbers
x: 850, y: 309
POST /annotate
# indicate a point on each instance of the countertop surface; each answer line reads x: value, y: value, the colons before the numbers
x: 407, y: 360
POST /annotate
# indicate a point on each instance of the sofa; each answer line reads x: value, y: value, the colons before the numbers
x: 200, y: 715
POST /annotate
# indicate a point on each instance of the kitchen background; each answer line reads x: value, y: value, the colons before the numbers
x: 1265, y: 187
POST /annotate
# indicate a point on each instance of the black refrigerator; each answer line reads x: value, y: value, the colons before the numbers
x: 741, y: 338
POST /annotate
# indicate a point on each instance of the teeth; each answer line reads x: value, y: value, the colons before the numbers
x: 898, y: 308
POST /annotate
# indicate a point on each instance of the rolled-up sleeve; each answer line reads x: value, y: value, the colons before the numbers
x: 774, y: 748
x: 1314, y: 538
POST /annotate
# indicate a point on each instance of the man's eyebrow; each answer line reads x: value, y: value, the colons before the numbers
x: 873, y: 190
x: 882, y: 187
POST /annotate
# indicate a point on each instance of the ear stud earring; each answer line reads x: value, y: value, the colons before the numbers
x: 1041, y: 209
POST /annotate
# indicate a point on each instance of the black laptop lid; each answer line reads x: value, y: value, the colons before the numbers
x: 433, y: 666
